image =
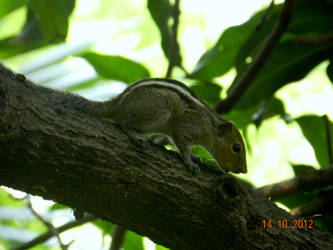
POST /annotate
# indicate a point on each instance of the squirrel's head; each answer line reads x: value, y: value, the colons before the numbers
x: 229, y: 148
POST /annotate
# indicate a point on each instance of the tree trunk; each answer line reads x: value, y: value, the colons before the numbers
x: 54, y: 151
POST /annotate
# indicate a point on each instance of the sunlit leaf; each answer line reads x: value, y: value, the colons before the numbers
x: 221, y: 58
x: 308, y: 17
x: 313, y: 128
x: 159, y: 247
x: 116, y: 67
x: 161, y: 12
x: 133, y: 241
x: 58, y: 206
x: 7, y: 6
x: 47, y: 22
x: 105, y: 226
x: 289, y: 62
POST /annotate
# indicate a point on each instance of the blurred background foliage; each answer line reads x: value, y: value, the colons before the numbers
x: 96, y: 48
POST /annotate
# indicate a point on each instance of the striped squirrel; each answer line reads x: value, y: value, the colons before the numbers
x: 165, y: 106
x: 157, y: 105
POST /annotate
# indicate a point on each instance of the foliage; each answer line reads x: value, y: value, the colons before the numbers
x: 47, y: 24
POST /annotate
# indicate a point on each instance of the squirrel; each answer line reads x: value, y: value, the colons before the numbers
x: 165, y: 106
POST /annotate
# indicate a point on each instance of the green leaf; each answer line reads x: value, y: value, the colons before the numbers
x: 208, y: 91
x: 289, y: 62
x: 46, y: 23
x: 299, y: 168
x: 159, y: 247
x: 313, y: 128
x: 268, y: 109
x: 105, y: 226
x: 254, y: 42
x: 308, y: 17
x: 312, y: 17
x: 329, y: 70
x: 7, y: 6
x: 116, y: 67
x: 58, y: 206
x: 133, y: 241
x: 221, y: 58
x: 297, y: 200
x: 161, y: 12
x: 52, y: 17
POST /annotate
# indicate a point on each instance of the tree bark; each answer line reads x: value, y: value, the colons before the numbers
x: 54, y: 151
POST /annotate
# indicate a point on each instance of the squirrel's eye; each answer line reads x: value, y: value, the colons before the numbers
x: 236, y: 148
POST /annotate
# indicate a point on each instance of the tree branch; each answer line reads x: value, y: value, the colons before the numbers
x: 49, y: 234
x: 314, y: 39
x: 264, y: 16
x: 328, y: 139
x: 306, y: 181
x: 53, y: 151
x: 321, y: 205
x: 117, y: 237
x: 241, y: 83
x: 49, y: 225
x: 173, y: 44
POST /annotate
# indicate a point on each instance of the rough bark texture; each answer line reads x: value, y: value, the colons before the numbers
x: 48, y: 149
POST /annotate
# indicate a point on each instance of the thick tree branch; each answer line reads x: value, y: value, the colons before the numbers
x: 240, y: 84
x: 61, y: 154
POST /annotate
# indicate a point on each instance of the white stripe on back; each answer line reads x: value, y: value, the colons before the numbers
x: 183, y: 91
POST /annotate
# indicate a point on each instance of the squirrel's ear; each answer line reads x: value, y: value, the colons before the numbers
x: 224, y: 127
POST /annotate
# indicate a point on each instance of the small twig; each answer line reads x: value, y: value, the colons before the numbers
x: 44, y: 237
x: 314, y: 39
x: 173, y: 43
x: 328, y: 139
x: 241, y: 83
x: 264, y: 16
x: 117, y: 237
x: 47, y: 224
x: 306, y: 181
